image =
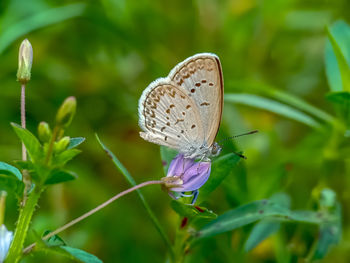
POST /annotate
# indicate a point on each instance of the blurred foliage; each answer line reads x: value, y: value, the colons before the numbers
x: 106, y: 52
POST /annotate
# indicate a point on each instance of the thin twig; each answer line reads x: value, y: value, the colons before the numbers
x: 26, y: 176
x: 80, y: 218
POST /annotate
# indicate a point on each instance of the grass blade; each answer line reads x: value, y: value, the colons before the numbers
x: 132, y: 182
x: 39, y: 20
x: 272, y: 106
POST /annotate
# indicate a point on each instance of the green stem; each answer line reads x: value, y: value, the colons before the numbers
x: 52, y: 142
x: 24, y: 220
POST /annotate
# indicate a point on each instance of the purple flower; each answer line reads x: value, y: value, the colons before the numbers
x: 185, y: 175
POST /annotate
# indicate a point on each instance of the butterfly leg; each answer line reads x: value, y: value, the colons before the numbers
x: 185, y: 195
x: 195, y: 196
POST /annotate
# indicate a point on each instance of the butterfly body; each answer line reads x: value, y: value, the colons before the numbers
x: 183, y: 110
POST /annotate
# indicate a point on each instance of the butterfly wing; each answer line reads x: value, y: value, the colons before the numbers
x: 201, y: 77
x: 169, y: 117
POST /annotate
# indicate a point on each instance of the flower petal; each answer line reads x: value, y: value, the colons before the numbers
x: 5, y: 242
x: 194, y: 177
x: 179, y: 165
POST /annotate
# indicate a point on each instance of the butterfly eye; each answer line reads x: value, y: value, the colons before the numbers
x: 215, y: 149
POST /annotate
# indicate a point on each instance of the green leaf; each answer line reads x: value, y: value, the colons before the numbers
x: 74, y: 142
x: 64, y: 157
x: 132, y: 182
x: 272, y: 106
x: 337, y: 56
x: 69, y: 252
x: 167, y: 155
x: 300, y: 104
x: 190, y: 211
x: 10, y: 170
x: 59, y: 176
x: 81, y: 255
x: 221, y: 168
x: 241, y: 216
x: 329, y: 234
x: 38, y: 20
x: 342, y: 98
x: 266, y: 227
x: 54, y: 240
x: 31, y: 143
x: 341, y: 102
x: 24, y: 165
x: 258, y: 210
x: 269, y: 91
x: 11, y: 184
x: 260, y: 232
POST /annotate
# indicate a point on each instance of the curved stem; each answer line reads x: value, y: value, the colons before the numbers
x: 82, y: 217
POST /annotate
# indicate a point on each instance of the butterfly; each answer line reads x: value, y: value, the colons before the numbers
x: 183, y: 110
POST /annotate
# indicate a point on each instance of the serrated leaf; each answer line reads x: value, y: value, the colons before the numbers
x: 59, y: 176
x: 272, y: 106
x: 31, y: 143
x: 221, y: 168
x: 64, y: 157
x: 167, y: 155
x: 74, y: 142
x: 337, y: 56
x: 10, y: 170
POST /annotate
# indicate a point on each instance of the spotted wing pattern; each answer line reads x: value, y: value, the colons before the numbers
x: 201, y: 77
x: 169, y: 117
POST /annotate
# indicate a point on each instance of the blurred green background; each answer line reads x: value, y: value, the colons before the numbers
x: 106, y: 52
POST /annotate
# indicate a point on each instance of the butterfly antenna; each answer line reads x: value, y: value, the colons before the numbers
x: 239, y: 135
x: 240, y: 155
x: 235, y: 136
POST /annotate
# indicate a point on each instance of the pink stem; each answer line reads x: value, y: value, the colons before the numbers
x: 23, y: 117
x: 80, y: 218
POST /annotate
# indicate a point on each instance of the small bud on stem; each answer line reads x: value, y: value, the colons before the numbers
x: 62, y: 144
x: 25, y: 60
x: 66, y: 112
x: 44, y: 132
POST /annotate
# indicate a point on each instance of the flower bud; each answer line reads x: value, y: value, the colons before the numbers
x: 66, y: 112
x: 44, y: 132
x: 25, y: 60
x: 62, y: 144
x: 5, y: 242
